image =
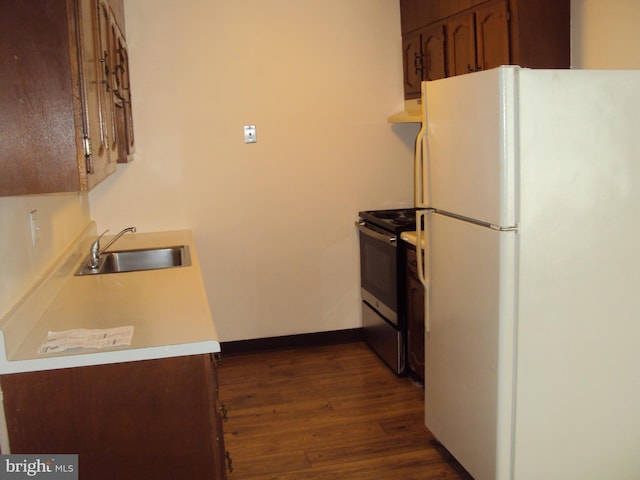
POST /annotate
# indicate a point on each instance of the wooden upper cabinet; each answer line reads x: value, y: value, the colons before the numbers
x: 94, y: 106
x: 492, y: 36
x: 434, y: 52
x: 484, y: 34
x: 539, y: 33
x: 412, y: 63
x: 118, y: 85
x: 479, y: 40
x: 108, y: 31
x: 125, y: 86
x: 424, y: 57
x: 461, y: 43
x: 117, y: 10
x: 58, y: 119
x: 122, y: 100
x: 42, y: 146
x: 96, y: 54
x: 418, y: 13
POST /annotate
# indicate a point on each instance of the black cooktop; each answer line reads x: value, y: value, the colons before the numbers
x: 395, y: 221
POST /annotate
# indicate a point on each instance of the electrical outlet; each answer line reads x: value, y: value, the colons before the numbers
x: 34, y: 226
x: 250, y: 134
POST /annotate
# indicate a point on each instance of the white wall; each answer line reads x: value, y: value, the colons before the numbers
x: 273, y: 221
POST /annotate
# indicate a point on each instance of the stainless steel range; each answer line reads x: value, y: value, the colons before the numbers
x: 382, y: 282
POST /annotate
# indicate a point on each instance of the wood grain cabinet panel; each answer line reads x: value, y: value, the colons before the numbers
x: 484, y: 34
x: 415, y: 314
x: 412, y: 63
x: 148, y: 419
x: 461, y: 44
x: 492, y: 36
x: 121, y: 95
x: 434, y: 51
x: 59, y: 120
x: 106, y: 36
x: 424, y: 57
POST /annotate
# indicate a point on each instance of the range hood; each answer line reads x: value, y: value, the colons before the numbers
x: 412, y: 112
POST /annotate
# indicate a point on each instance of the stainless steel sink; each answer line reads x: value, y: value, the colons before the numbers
x: 137, y: 260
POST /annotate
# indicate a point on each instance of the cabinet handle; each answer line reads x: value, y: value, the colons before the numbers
x: 417, y: 63
x: 106, y: 71
x: 229, y: 462
x: 217, y: 358
x: 469, y: 68
x: 88, y: 154
x: 224, y: 412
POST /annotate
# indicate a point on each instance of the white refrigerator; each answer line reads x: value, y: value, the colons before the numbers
x: 528, y: 185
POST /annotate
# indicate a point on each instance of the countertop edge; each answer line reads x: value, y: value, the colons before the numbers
x: 109, y: 357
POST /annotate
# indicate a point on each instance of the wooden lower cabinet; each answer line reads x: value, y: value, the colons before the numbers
x: 155, y: 419
x: 415, y: 315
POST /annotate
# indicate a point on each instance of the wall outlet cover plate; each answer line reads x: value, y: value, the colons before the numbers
x: 250, y: 134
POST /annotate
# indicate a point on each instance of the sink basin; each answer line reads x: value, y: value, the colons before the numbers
x: 138, y: 260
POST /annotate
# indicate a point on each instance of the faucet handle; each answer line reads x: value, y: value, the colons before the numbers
x: 95, y: 246
x: 94, y: 252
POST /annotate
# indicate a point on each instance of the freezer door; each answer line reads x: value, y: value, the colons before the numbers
x: 469, y: 345
x: 468, y: 151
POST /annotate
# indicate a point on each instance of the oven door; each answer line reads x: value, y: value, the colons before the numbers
x: 378, y: 270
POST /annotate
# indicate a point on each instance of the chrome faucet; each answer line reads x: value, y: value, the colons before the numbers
x: 96, y: 251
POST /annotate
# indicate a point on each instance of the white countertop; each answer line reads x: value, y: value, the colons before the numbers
x: 168, y: 309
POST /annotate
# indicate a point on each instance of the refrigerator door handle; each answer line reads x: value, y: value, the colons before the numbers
x: 418, y: 167
x: 422, y: 259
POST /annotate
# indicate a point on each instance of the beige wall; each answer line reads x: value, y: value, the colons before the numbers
x: 605, y: 34
x: 273, y: 221
x: 62, y: 218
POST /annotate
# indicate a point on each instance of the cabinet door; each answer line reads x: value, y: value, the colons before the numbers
x: 219, y: 452
x: 492, y: 35
x: 415, y: 316
x: 412, y: 64
x: 433, y: 50
x: 135, y: 420
x: 96, y: 109
x: 122, y: 93
x: 130, y: 139
x: 39, y: 140
x: 461, y: 44
x: 108, y: 59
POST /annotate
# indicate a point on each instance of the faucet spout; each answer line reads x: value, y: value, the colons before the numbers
x: 96, y: 251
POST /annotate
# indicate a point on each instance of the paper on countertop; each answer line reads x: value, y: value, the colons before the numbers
x: 85, y: 338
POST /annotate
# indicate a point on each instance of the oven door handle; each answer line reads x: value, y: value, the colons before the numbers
x: 390, y: 239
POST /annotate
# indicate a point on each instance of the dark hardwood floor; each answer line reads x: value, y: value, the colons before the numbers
x: 327, y: 412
